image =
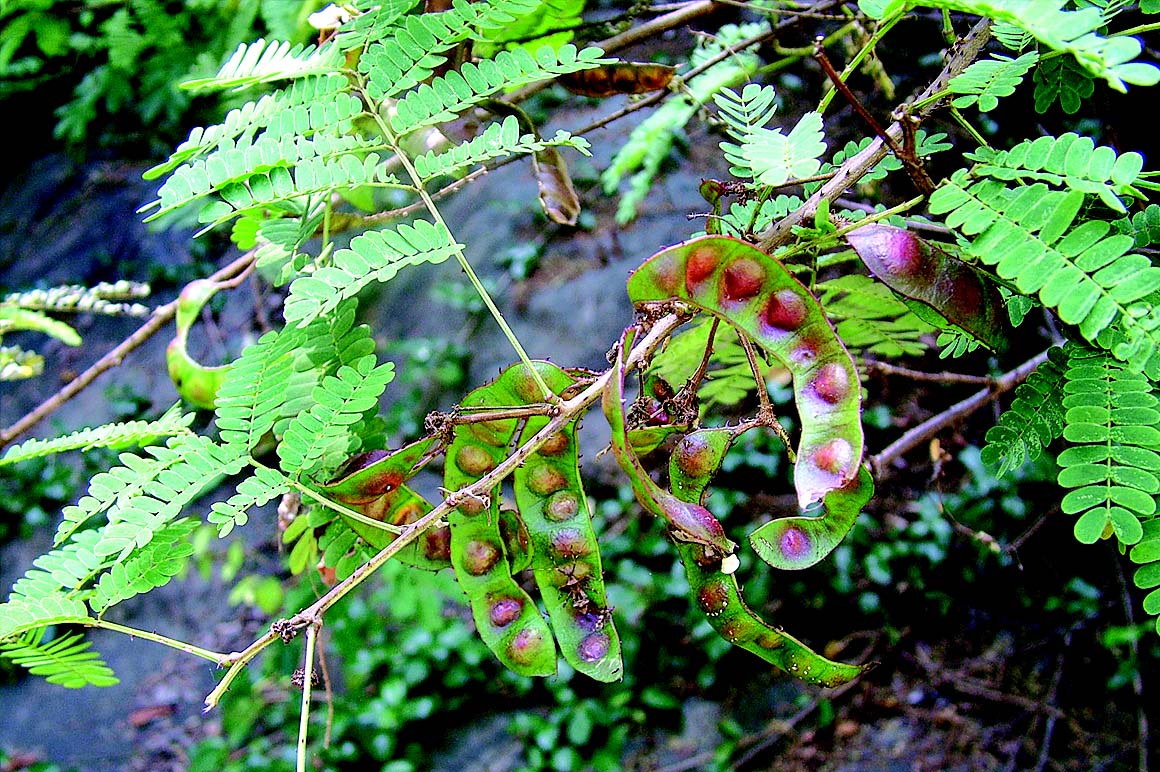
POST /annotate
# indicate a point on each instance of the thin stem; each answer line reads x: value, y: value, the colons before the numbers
x: 917, y: 375
x: 307, y: 679
x: 484, y: 295
x: 172, y: 643
x: 884, y: 27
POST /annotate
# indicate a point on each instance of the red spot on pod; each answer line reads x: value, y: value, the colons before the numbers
x: 744, y: 278
x: 594, y: 647
x: 700, y: 266
x: 713, y: 597
x: 480, y: 556
x: 561, y: 506
x: 666, y: 274
x: 505, y: 611
x: 493, y: 433
x: 794, y: 543
x: 890, y: 250
x: 437, y: 544
x: 408, y: 513
x: 526, y: 645
x: 693, y: 456
x: 555, y: 445
x: 832, y: 383
x: 544, y: 480
x: 833, y: 456
x: 739, y: 629
x: 785, y: 311
x: 770, y: 640
x: 570, y: 543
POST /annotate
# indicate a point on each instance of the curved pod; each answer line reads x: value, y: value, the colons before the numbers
x: 745, y: 287
x: 691, y: 466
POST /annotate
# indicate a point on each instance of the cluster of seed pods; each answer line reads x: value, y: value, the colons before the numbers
x: 566, y: 556
x: 743, y: 286
x: 694, y: 461
x: 198, y: 384
x: 919, y: 270
x: 374, y: 485
x: 564, y: 553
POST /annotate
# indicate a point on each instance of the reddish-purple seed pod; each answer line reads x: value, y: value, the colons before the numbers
x: 474, y: 460
x: 561, y: 506
x: 594, y: 647
x: 526, y: 645
x: 479, y: 556
x: 505, y: 611
x: 544, y: 480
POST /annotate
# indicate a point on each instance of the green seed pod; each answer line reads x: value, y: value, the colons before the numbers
x: 691, y: 467
x: 566, y: 556
x: 743, y: 286
x: 507, y: 619
x: 688, y: 521
x: 800, y: 542
x: 919, y: 270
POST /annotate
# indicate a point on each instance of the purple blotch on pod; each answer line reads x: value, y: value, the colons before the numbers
x: 784, y: 311
x: 593, y: 647
x: 505, y: 611
x: 713, y: 596
x: 437, y: 544
x: 526, y: 645
x: 832, y: 383
x: 701, y: 264
x: 794, y: 543
x: 555, y: 445
x: 834, y: 456
x: 694, y: 456
x: 570, y: 543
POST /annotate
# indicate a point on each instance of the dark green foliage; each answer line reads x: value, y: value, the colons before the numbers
x: 1033, y: 421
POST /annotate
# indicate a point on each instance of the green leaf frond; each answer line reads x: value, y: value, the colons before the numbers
x: 148, y: 568
x: 741, y: 218
x: 372, y: 256
x: 924, y: 145
x: 765, y: 155
x: 322, y: 436
x: 108, y: 490
x: 65, y: 661
x: 448, y: 95
x: 64, y: 570
x: 1113, y: 428
x: 1081, y: 272
x: 498, y: 140
x: 870, y: 318
x: 1034, y: 420
x: 651, y: 140
x: 267, y: 62
x: 264, y: 486
x: 269, y: 172
x: 1071, y: 161
x: 985, y: 82
x: 1143, y: 227
x: 1146, y: 554
x: 1062, y: 80
x: 1011, y: 36
x: 14, y: 318
x: 286, y: 111
x: 202, y: 465
x: 254, y: 391
x: 552, y: 23
x: 20, y: 615
x: 115, y: 435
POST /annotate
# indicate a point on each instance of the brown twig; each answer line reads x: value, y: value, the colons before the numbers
x: 161, y: 316
x: 937, y: 423
x: 917, y: 375
x: 858, y: 165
